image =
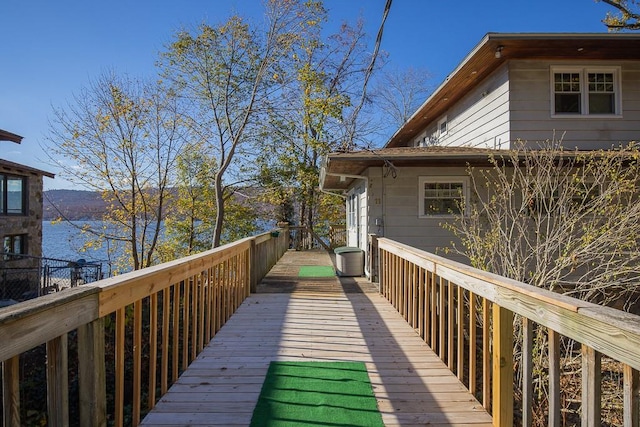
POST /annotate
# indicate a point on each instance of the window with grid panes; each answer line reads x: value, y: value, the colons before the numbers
x: 441, y: 196
x: 585, y: 91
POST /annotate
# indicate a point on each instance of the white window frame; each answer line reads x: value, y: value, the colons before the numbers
x: 584, y: 71
x: 442, y: 121
x: 453, y: 179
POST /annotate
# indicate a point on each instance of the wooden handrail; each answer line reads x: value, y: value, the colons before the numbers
x: 170, y: 310
x: 445, y: 292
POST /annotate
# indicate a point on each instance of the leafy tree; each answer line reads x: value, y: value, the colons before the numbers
x: 627, y: 16
x: 311, y: 117
x: 224, y: 75
x: 188, y: 226
x: 121, y: 137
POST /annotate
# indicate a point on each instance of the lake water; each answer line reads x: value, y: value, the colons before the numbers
x: 64, y: 241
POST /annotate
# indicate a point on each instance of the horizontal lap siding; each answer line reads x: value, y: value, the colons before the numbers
x: 481, y: 118
x: 400, y: 206
x: 530, y: 102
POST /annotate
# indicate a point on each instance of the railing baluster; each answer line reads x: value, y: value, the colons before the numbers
x: 186, y: 286
x: 137, y: 361
x: 421, y: 302
x: 631, y: 396
x: 209, y: 305
x: 502, y: 366
x: 441, y: 319
x: 554, y: 379
x: 227, y: 293
x: 119, y: 353
x: 409, y: 280
x: 450, y: 326
x: 57, y: 382
x: 11, y: 392
x: 473, y: 347
x: 219, y: 301
x: 153, y: 349
x: 591, y: 386
x: 175, y: 320
x: 164, y: 361
x: 91, y: 374
x: 434, y: 311
x: 193, y: 284
x: 460, y: 321
x: 527, y: 372
x: 201, y: 315
x: 486, y: 353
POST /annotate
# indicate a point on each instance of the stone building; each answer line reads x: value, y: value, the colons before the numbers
x: 21, y: 193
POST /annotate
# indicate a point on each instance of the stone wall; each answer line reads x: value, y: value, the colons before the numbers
x: 31, y: 223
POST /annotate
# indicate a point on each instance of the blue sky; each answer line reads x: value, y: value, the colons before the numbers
x: 52, y: 49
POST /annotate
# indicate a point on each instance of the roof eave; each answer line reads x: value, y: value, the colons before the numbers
x: 11, y: 137
x: 437, y: 102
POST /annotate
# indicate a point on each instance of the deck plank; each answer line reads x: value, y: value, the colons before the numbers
x: 328, y: 319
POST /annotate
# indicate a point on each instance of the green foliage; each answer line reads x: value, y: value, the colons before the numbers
x: 121, y: 137
x: 188, y: 227
x: 226, y: 75
x: 310, y: 119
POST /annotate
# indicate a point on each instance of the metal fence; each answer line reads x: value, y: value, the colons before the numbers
x: 24, y: 277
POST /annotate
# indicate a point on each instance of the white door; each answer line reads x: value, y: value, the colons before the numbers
x: 353, y: 217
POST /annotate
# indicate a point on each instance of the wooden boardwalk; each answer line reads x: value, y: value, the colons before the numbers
x: 293, y: 318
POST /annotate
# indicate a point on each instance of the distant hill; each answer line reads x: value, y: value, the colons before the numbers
x: 81, y: 205
x: 75, y: 205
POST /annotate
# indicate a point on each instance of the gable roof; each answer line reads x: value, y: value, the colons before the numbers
x: 483, y: 60
x: 340, y: 169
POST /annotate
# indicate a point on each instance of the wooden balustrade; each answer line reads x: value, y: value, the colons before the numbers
x: 155, y: 321
x: 468, y: 317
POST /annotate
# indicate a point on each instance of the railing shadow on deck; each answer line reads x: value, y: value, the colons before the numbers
x: 468, y: 317
x: 153, y: 321
x: 409, y: 397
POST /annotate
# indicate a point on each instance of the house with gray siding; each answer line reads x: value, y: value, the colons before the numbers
x: 580, y: 90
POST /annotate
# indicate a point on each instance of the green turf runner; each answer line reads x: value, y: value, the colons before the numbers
x: 316, y: 271
x: 316, y: 394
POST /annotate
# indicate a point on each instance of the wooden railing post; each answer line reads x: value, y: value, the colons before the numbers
x: 11, y: 392
x: 591, y: 387
x: 502, y: 366
x: 631, y: 396
x: 373, y: 259
x: 91, y: 372
x: 57, y: 382
x: 253, y: 267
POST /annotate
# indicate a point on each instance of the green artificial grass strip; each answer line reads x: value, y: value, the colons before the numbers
x: 316, y: 271
x: 316, y: 394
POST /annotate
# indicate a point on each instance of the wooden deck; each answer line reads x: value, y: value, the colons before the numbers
x: 316, y: 319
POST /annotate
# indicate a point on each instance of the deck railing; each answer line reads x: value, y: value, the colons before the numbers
x: 468, y: 317
x: 153, y: 321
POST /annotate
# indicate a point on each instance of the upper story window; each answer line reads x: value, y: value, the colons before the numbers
x: 442, y: 127
x: 585, y: 91
x: 440, y: 196
x: 13, y: 195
